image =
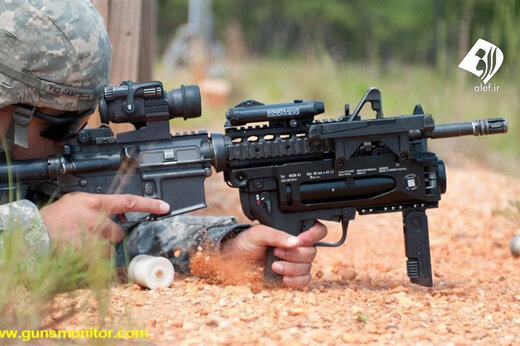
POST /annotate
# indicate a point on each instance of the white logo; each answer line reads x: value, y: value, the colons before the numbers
x: 411, y: 181
x: 483, y: 60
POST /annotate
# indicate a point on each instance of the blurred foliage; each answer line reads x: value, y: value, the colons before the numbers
x: 428, y: 31
x: 334, y: 50
x: 171, y: 14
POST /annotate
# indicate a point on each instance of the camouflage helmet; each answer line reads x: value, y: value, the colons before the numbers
x: 53, y: 53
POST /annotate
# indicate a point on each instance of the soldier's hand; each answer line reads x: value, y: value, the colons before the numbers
x: 297, y: 253
x: 78, y: 211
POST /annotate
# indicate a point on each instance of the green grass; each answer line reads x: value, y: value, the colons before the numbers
x: 449, y: 97
x: 31, y: 280
x: 31, y: 276
x: 362, y: 317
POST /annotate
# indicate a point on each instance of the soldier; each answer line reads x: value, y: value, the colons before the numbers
x: 54, y: 60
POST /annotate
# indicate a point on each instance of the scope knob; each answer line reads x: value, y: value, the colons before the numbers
x: 128, y: 108
x: 108, y: 93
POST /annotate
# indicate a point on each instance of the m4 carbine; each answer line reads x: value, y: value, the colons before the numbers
x: 148, y: 161
x: 291, y: 170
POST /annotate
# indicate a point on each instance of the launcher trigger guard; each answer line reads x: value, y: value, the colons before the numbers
x: 344, y: 226
x: 348, y: 214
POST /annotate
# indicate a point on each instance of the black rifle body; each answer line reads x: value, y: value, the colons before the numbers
x: 148, y: 161
x: 295, y: 170
x: 170, y: 169
x: 290, y: 172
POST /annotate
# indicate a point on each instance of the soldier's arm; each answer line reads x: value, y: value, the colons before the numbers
x: 181, y: 236
x: 77, y: 212
x: 23, y: 216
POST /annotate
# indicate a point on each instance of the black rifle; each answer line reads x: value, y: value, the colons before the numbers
x: 148, y: 161
x: 290, y: 172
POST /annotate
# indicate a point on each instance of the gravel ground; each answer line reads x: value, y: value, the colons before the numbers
x: 360, y: 292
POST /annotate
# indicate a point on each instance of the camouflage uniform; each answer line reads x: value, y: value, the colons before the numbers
x: 66, y: 70
x: 24, y: 216
x: 178, y: 237
x: 53, y: 54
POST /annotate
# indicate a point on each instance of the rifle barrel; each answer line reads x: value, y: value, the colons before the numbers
x: 25, y: 170
x: 33, y: 170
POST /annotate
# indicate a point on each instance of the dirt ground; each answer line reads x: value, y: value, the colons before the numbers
x: 359, y: 292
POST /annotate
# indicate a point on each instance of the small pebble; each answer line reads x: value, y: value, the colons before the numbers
x: 514, y: 246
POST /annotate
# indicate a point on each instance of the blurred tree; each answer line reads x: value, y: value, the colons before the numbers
x: 170, y: 15
x: 505, y: 31
x: 435, y: 32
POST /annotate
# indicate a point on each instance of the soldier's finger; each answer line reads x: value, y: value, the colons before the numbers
x: 120, y: 204
x: 268, y: 236
x: 297, y: 281
x: 291, y: 269
x: 300, y: 255
x: 314, y: 234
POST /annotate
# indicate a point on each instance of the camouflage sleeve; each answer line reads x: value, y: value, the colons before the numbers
x: 178, y: 237
x: 23, y: 216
